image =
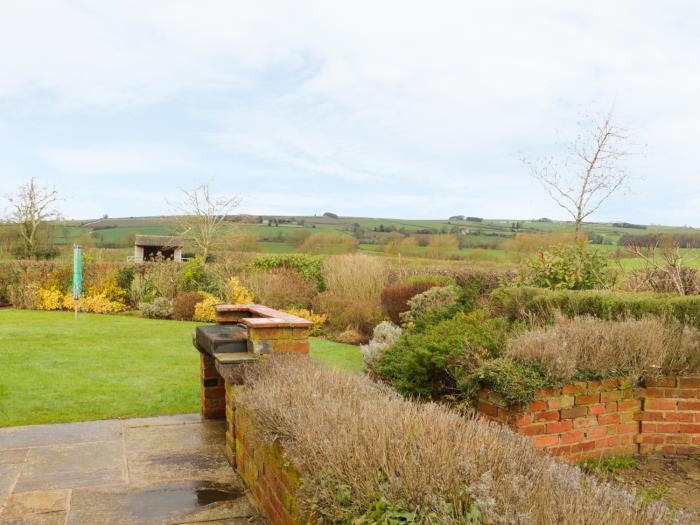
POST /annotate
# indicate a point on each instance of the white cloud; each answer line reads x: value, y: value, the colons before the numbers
x: 435, y: 98
x: 115, y: 160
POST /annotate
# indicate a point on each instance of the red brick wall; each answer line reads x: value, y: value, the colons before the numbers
x: 211, y: 388
x: 272, y: 480
x: 670, y: 419
x: 592, y: 419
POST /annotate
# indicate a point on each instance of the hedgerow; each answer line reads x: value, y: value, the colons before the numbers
x: 540, y: 305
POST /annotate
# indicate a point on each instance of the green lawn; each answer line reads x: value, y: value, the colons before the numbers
x: 55, y: 369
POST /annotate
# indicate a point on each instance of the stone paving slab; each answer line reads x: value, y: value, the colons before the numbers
x: 65, y: 433
x: 161, y: 471
x: 67, y: 466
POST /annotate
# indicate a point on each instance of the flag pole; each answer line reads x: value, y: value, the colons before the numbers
x: 77, y: 275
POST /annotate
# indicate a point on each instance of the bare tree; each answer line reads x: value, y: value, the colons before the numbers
x: 31, y: 207
x: 590, y: 172
x: 200, y: 216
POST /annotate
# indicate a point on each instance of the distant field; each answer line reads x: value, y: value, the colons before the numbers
x: 482, y: 241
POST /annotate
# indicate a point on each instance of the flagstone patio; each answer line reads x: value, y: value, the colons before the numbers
x: 167, y: 470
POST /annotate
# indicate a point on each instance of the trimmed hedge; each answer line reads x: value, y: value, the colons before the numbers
x: 540, y: 304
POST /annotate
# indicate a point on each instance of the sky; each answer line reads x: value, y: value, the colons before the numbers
x: 408, y: 109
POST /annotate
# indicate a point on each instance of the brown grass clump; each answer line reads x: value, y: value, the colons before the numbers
x: 354, y: 284
x: 356, y: 443
x: 588, y: 346
x: 280, y: 288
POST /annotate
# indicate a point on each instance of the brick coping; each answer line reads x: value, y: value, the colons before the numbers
x: 260, y: 316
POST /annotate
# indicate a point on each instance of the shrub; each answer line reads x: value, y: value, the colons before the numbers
x: 328, y: 243
x: 194, y: 276
x: 94, y: 303
x: 431, y: 305
x: 239, y: 241
x: 588, y: 348
x: 432, y: 363
x: 281, y: 288
x: 395, y: 298
x: 308, y: 265
x: 347, y: 313
x: 384, y: 335
x: 516, y: 382
x: 204, y: 311
x: 440, y: 246
x: 160, y: 308
x: 317, y: 319
x: 402, y: 246
x: 528, y: 243
x: 164, y: 277
x: 184, y: 304
x: 50, y: 299
x: 568, y: 267
x: 362, y: 451
x: 140, y: 289
x: 238, y: 294
x: 541, y: 306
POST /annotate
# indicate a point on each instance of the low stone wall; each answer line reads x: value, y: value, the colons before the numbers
x: 592, y: 419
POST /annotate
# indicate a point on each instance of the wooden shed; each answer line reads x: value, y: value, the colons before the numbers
x: 157, y: 247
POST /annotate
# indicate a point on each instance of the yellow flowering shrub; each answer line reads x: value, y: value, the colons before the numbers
x: 49, y: 299
x: 94, y: 303
x: 239, y: 294
x: 204, y: 310
x: 317, y: 319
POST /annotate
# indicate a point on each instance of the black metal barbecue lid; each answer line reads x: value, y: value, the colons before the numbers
x: 221, y: 338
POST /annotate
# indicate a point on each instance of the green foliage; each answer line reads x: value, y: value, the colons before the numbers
x: 439, y: 303
x: 653, y: 494
x: 567, y: 267
x: 515, y: 382
x: 431, y: 364
x: 541, y: 305
x: 608, y: 465
x: 194, y: 276
x: 382, y: 513
x: 308, y: 265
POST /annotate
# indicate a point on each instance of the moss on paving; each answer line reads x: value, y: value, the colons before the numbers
x: 54, y: 369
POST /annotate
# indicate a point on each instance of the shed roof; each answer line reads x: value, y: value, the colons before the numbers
x: 158, y: 240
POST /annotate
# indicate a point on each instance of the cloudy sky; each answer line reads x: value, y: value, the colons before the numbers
x: 377, y: 108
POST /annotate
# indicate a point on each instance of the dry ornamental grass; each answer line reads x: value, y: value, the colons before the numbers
x: 646, y: 347
x: 350, y: 437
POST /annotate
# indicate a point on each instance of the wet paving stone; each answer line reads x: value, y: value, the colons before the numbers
x: 39, y: 502
x: 46, y: 435
x: 67, y: 466
x: 165, y: 470
x: 52, y: 518
x: 160, y: 504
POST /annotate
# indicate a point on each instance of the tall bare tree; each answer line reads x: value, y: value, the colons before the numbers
x: 200, y: 216
x: 31, y: 207
x: 590, y: 172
